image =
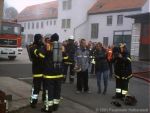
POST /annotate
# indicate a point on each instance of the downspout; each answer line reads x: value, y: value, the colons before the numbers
x: 1, y: 11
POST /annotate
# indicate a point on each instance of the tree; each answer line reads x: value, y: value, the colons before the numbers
x: 10, y: 13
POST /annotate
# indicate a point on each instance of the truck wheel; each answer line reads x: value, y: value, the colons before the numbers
x: 12, y: 57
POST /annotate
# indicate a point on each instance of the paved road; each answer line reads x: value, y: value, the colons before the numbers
x: 21, y: 69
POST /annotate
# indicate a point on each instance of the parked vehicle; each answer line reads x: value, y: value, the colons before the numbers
x: 10, y: 39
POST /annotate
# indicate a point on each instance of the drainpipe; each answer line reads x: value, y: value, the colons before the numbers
x: 1, y: 10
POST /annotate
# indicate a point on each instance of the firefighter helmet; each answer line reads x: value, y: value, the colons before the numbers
x: 130, y: 100
x: 71, y: 37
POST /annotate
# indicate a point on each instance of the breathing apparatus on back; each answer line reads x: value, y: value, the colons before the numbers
x: 57, y: 50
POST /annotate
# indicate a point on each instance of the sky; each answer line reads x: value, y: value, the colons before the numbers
x: 19, y: 5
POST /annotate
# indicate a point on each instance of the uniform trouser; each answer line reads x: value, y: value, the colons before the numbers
x: 121, y: 87
x: 105, y: 79
x: 37, y: 84
x: 110, y: 69
x: 71, y: 74
x: 92, y: 68
x: 53, y: 90
x: 82, y: 81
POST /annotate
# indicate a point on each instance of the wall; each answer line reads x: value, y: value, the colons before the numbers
x: 47, y: 29
x: 77, y: 14
x: 146, y: 7
x: 108, y: 31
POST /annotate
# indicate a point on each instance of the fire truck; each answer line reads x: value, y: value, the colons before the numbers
x: 10, y: 39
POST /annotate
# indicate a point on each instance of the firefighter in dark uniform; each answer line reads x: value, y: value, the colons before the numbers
x: 68, y: 59
x: 52, y: 76
x: 122, y: 70
x: 37, y: 56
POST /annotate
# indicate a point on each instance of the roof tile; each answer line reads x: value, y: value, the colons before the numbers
x: 39, y: 12
x: 103, y: 6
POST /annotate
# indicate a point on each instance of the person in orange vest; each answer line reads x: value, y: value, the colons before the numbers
x: 110, y: 59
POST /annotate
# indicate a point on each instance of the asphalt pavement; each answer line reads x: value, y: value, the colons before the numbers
x: 72, y: 102
x: 78, y: 103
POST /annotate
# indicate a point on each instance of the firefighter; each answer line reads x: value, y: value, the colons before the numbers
x: 52, y: 74
x: 122, y: 70
x: 37, y: 56
x: 68, y: 59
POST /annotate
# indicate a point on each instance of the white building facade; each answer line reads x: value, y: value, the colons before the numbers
x: 39, y: 19
x: 44, y: 27
x: 107, y: 30
x: 107, y: 24
x: 72, y: 15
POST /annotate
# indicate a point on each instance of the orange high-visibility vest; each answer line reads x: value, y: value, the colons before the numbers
x: 109, y: 54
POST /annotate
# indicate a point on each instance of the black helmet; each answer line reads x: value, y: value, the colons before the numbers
x: 54, y: 37
x: 37, y: 39
x: 130, y: 100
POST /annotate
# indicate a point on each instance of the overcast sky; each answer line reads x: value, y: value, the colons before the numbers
x: 21, y: 4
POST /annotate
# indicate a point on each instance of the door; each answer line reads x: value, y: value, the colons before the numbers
x: 122, y: 37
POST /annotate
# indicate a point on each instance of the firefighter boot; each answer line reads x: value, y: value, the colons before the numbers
x: 49, y: 110
x: 55, y: 107
x: 44, y: 110
x: 43, y: 97
x: 33, y: 103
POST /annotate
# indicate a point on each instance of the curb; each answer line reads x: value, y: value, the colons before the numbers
x: 138, y: 76
x: 146, y: 71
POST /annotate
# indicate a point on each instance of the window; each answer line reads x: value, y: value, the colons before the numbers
x: 109, y: 20
x: 64, y: 5
x: 63, y: 23
x: 67, y: 4
x: 8, y: 42
x: 32, y: 25
x: 120, y: 20
x: 94, y: 30
x: 42, y: 25
x: 30, y: 38
x: 24, y: 25
x: 66, y: 23
x: 7, y: 29
x: 37, y: 25
x: 105, y: 41
x: 54, y: 22
x: 51, y: 22
x: 28, y: 25
x: 47, y: 23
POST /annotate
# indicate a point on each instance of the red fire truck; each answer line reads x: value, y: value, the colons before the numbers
x: 10, y: 39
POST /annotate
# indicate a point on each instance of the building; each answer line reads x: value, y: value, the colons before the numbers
x: 140, y: 45
x: 106, y: 21
x: 40, y: 18
x: 73, y: 17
